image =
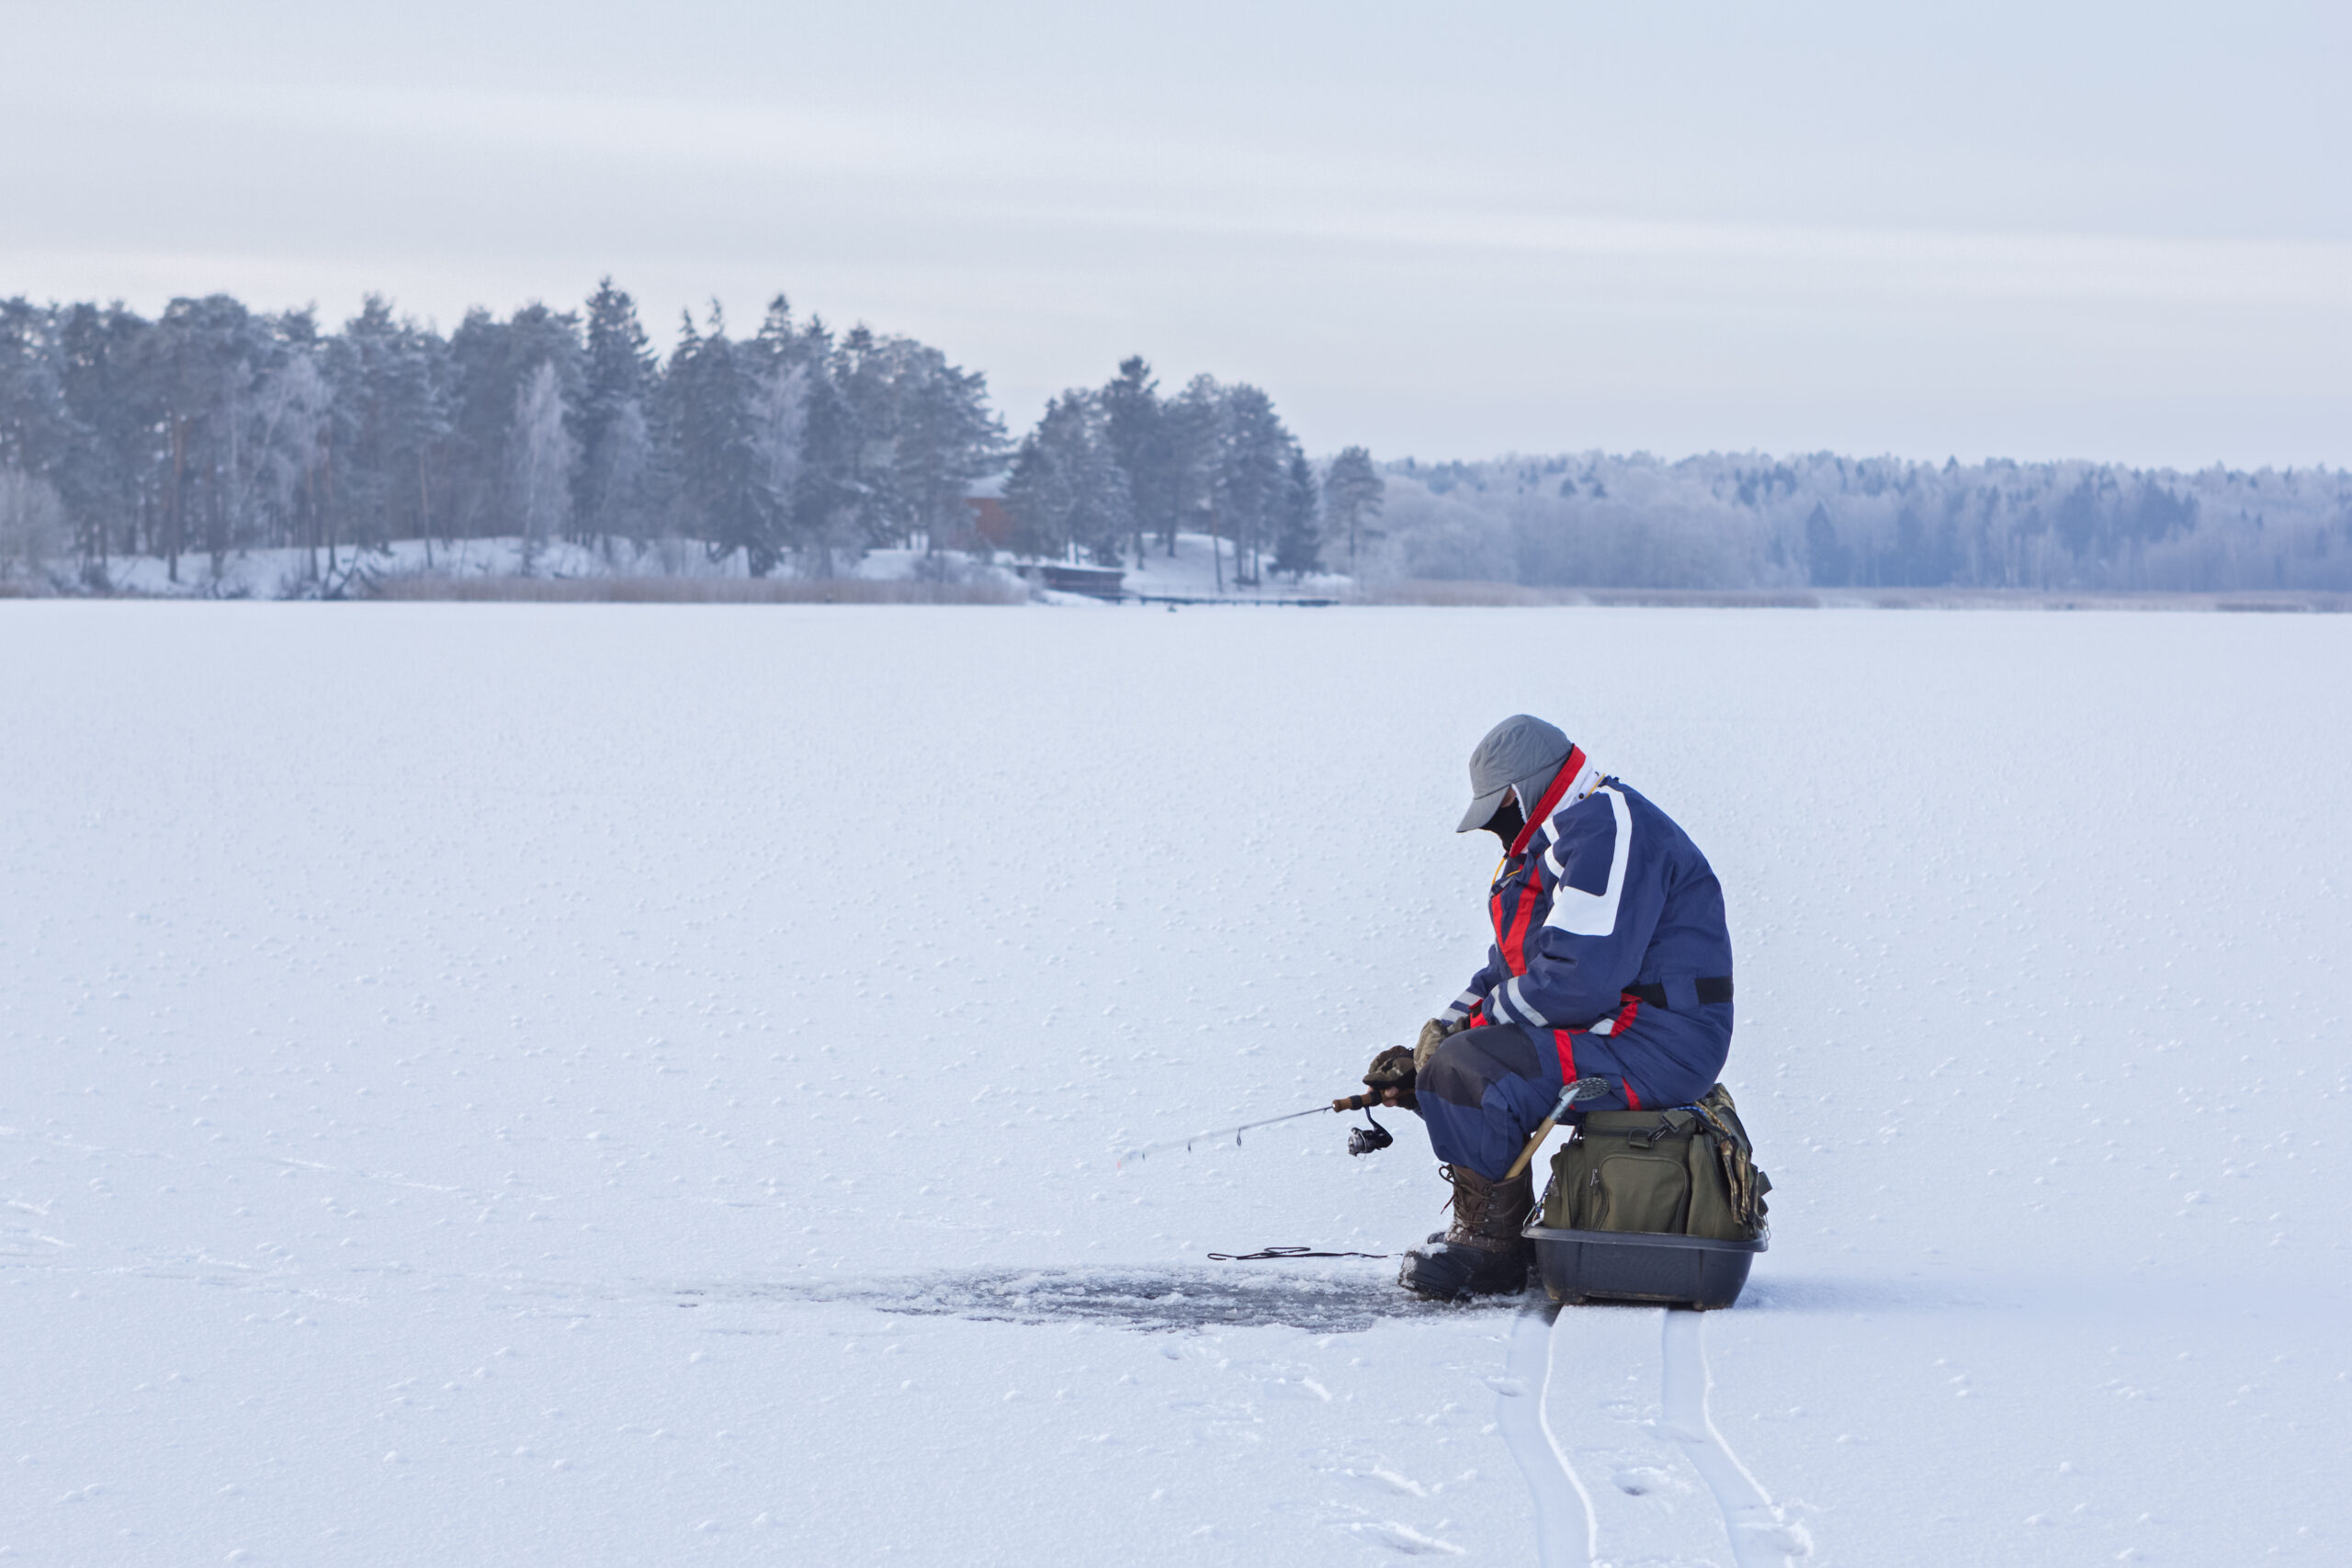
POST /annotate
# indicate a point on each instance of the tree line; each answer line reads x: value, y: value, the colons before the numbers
x: 1735, y: 521
x: 1114, y: 471
x: 213, y: 428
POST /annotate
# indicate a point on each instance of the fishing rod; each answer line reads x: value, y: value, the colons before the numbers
x: 1366, y: 1139
x: 1360, y: 1140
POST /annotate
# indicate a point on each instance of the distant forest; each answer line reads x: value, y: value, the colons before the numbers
x: 214, y: 430
x: 1824, y: 521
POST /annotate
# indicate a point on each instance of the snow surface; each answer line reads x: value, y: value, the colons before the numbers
x: 567, y: 1084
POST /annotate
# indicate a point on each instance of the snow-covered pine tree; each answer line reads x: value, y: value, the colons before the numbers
x: 949, y: 437
x: 387, y: 427
x: 1298, y: 544
x: 37, y: 432
x: 108, y: 479
x: 616, y: 370
x: 1138, y: 426
x: 1066, y: 494
x: 863, y: 370
x: 1252, y: 476
x: 200, y: 358
x: 711, y: 387
x: 1194, y: 423
x: 1353, y: 494
x: 818, y: 519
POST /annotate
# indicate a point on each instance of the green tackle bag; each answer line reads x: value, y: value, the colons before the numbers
x: 1686, y: 1170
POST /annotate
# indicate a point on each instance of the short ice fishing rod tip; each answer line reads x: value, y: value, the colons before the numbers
x: 1233, y: 1132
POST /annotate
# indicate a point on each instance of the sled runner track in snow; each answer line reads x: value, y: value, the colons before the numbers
x: 1761, y: 1538
x: 1566, y: 1526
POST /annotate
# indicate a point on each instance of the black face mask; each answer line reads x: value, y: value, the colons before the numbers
x: 1507, y: 820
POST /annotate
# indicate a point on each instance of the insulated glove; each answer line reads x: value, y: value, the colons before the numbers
x: 1432, y: 1032
x: 1392, y: 1069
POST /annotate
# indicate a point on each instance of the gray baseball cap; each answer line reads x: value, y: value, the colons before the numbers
x: 1522, y: 752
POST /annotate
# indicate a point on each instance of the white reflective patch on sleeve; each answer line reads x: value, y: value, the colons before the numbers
x: 1579, y: 913
x: 1495, y: 1008
x: 1519, y: 1005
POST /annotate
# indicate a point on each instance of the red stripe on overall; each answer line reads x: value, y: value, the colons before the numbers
x: 1514, y: 941
x: 1550, y: 801
x: 1564, y: 1041
x: 1510, y: 929
x: 1511, y: 937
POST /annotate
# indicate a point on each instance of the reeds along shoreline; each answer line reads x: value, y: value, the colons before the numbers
x: 692, y: 590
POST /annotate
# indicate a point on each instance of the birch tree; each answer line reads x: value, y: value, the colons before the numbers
x: 544, y: 454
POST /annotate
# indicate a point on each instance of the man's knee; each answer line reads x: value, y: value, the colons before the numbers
x: 1461, y: 1069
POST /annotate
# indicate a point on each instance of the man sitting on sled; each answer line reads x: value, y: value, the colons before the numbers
x: 1611, y: 960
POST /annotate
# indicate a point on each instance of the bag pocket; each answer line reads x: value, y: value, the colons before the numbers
x: 1712, y: 1213
x: 1570, y: 1166
x: 1632, y: 1189
x: 1737, y: 1183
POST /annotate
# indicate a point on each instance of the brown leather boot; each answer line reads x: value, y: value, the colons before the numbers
x: 1482, y: 1253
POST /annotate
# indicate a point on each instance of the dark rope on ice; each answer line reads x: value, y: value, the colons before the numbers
x: 1270, y: 1253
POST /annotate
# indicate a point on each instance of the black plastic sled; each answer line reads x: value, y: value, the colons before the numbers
x: 1654, y: 1268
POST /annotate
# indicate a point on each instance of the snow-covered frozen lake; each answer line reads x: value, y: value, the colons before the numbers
x: 516, y: 1084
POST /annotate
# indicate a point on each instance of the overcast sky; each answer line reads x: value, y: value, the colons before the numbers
x: 2107, y: 230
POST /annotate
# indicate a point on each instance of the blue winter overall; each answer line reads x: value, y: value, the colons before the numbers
x: 1610, y: 959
